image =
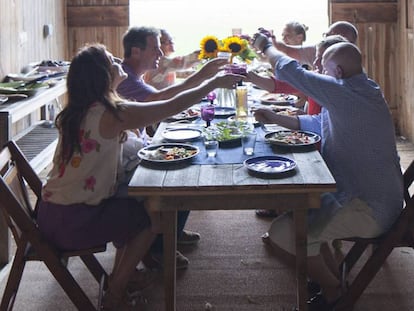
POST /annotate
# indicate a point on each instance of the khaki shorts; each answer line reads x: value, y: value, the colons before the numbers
x: 326, y: 224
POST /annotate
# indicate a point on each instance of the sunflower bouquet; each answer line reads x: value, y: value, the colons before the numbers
x: 238, y: 46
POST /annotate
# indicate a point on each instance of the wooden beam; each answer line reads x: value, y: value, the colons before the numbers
x: 375, y: 12
x: 359, y: 1
x: 90, y: 16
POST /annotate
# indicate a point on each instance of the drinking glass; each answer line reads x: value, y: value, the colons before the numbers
x: 211, y: 147
x: 207, y: 114
x: 248, y: 141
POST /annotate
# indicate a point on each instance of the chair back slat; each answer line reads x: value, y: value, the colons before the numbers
x: 408, y: 181
x: 17, y: 180
x: 14, y: 198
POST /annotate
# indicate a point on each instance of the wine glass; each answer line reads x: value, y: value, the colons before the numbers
x: 207, y: 114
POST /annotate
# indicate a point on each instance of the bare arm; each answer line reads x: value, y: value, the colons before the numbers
x: 267, y: 116
x: 206, y: 72
x: 139, y: 115
x: 264, y: 82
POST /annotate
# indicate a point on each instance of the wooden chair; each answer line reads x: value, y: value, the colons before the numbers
x: 400, y: 235
x: 17, y: 177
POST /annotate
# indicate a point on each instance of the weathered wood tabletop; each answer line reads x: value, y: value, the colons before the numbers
x: 230, y: 187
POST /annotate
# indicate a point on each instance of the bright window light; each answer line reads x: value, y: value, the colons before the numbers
x: 188, y: 21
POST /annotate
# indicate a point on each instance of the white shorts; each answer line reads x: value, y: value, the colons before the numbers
x: 326, y: 224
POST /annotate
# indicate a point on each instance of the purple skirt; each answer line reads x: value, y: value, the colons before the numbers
x: 79, y: 226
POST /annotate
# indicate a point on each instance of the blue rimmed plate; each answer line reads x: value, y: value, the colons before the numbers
x: 270, y: 165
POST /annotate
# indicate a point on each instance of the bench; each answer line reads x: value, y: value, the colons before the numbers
x: 37, y: 139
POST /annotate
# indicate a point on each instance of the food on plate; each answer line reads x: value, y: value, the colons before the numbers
x: 165, y: 153
x: 228, y: 130
x: 292, y: 138
x: 186, y: 114
x: 284, y: 110
x: 278, y: 98
x: 21, y: 87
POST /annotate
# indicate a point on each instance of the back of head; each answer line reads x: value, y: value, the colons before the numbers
x: 89, y: 80
x: 89, y: 77
x: 345, y: 29
x: 347, y: 58
x: 137, y: 37
x: 330, y: 40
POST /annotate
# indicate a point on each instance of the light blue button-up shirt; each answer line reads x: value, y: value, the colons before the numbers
x: 358, y: 137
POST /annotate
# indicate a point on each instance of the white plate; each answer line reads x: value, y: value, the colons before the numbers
x: 224, y: 111
x: 152, y: 153
x: 3, y: 99
x: 181, y: 134
x: 278, y: 99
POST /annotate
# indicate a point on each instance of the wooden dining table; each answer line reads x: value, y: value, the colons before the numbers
x: 212, y: 186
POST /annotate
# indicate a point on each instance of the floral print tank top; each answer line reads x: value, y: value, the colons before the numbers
x: 90, y: 175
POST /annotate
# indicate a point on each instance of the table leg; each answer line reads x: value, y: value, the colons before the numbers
x: 301, y: 254
x: 169, y: 221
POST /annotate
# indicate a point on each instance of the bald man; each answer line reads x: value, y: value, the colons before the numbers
x: 358, y: 145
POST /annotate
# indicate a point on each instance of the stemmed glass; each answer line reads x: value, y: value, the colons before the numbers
x: 207, y: 113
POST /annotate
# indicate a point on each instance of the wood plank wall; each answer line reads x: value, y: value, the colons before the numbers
x: 103, y: 21
x: 21, y: 33
x: 406, y: 68
x: 378, y: 39
x: 22, y: 42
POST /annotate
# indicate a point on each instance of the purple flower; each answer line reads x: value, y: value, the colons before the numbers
x: 211, y: 96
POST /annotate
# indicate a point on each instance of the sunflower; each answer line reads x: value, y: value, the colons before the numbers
x: 209, y: 47
x: 234, y: 44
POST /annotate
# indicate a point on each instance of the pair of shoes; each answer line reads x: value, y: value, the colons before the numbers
x: 156, y: 261
x: 188, y: 238
x: 140, y: 280
x: 266, y: 213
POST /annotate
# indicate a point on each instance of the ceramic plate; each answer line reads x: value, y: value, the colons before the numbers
x: 278, y: 99
x: 292, y: 138
x: 181, y: 134
x: 3, y: 99
x: 270, y: 165
x: 189, y: 114
x: 21, y: 88
x: 168, y: 153
x: 224, y: 112
x: 250, y: 119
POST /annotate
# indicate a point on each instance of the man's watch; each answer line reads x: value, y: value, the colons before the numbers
x: 267, y: 45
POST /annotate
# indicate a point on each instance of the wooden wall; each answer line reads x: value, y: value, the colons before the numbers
x: 21, y: 33
x: 22, y: 42
x: 103, y: 21
x: 406, y: 68
x: 378, y: 39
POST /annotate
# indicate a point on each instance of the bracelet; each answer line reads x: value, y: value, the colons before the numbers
x: 267, y: 45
